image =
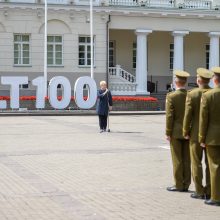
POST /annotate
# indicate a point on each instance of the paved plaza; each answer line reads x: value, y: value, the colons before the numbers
x: 61, y: 168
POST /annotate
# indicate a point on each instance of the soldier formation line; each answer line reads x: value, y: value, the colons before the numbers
x: 193, y: 130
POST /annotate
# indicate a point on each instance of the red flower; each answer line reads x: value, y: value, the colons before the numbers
x: 115, y: 98
x: 133, y: 98
x: 4, y: 97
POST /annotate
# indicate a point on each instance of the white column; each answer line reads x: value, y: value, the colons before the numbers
x: 178, y: 62
x: 141, y: 62
x: 213, y: 51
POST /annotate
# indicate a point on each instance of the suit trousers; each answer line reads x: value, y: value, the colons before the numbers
x: 213, y: 153
x: 103, y: 121
x: 181, y: 163
x: 196, y: 154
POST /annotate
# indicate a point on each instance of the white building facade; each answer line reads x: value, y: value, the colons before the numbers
x: 134, y: 41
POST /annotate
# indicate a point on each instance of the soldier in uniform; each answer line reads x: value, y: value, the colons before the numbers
x: 209, y: 135
x: 175, y: 108
x: 190, y: 131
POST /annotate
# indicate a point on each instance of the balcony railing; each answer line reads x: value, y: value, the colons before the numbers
x: 123, y: 3
x: 147, y: 3
x: 19, y: 1
x: 197, y: 4
x: 58, y: 1
x: 161, y: 3
x: 184, y: 4
x: 39, y: 1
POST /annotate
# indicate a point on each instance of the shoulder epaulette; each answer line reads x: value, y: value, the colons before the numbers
x: 190, y: 90
x: 171, y: 92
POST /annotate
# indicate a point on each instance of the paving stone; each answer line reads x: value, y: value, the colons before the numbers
x: 62, y: 168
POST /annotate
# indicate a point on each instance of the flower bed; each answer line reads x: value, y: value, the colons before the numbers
x: 134, y: 99
x: 134, y: 103
x: 120, y: 103
x: 115, y: 98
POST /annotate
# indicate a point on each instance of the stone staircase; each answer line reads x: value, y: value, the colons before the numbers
x: 121, y: 82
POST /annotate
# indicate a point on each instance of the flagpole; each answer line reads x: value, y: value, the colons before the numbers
x: 91, y: 38
x: 45, y: 48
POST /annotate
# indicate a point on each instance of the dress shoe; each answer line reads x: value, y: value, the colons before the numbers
x: 174, y: 189
x: 185, y: 190
x: 207, y: 197
x: 212, y: 202
x: 197, y: 196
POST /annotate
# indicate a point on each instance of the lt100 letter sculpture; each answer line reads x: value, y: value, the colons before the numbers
x: 15, y: 82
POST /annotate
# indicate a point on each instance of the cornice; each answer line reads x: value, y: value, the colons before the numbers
x: 119, y: 11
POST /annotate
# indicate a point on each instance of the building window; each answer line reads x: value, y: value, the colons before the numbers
x: 24, y: 86
x: 171, y: 56
x: 54, y: 51
x: 134, y: 55
x: 111, y: 53
x: 207, y: 51
x: 85, y: 51
x: 21, y: 49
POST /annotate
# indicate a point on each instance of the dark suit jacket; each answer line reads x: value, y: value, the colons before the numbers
x: 103, y: 102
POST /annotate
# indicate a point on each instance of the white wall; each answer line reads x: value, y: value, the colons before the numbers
x: 27, y: 21
x: 194, y: 22
x: 72, y: 23
x: 124, y: 46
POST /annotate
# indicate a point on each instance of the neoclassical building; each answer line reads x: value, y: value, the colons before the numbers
x: 134, y: 41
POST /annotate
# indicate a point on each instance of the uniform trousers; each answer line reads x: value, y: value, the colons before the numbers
x: 181, y: 163
x: 196, y: 154
x: 213, y: 153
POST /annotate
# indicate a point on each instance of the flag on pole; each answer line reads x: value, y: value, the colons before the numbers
x: 91, y: 38
x: 45, y: 48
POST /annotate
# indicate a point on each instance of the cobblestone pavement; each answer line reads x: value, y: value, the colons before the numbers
x: 61, y: 168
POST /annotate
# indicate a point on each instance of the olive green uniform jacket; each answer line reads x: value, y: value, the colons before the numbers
x: 209, y: 128
x: 209, y: 133
x: 192, y: 109
x: 175, y: 108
